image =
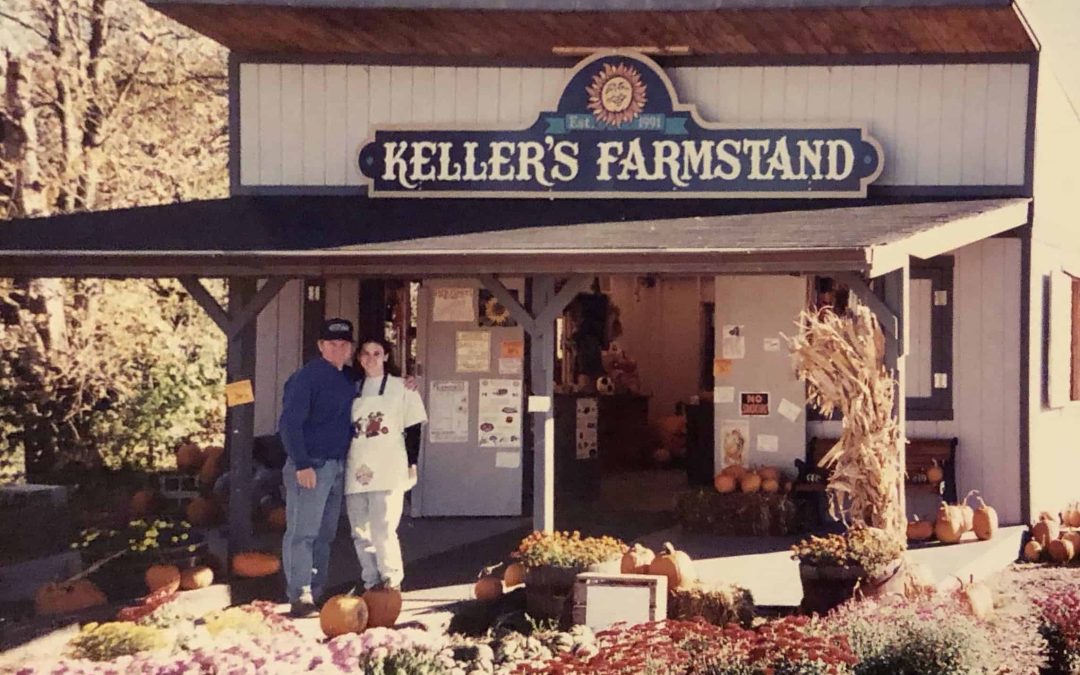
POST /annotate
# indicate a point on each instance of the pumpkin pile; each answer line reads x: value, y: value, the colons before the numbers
x: 767, y: 479
x: 1054, y: 539
x: 349, y: 613
x: 953, y: 521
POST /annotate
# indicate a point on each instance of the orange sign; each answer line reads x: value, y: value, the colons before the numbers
x: 238, y: 393
x: 512, y: 349
x: 721, y: 367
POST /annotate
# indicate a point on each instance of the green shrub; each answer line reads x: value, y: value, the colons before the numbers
x: 107, y: 641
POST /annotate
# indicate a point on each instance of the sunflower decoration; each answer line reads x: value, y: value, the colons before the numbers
x: 493, y: 312
x: 616, y: 94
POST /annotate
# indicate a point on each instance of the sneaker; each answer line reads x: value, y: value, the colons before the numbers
x: 303, y: 607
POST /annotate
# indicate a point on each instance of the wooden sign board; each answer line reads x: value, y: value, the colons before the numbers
x: 601, y: 600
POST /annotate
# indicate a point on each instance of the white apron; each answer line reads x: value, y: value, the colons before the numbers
x: 377, y: 458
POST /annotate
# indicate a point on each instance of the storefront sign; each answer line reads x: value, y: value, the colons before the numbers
x: 620, y: 131
x: 753, y: 403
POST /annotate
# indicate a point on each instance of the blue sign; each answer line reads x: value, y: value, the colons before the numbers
x: 619, y: 131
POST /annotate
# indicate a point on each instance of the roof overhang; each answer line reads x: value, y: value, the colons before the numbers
x: 331, y: 236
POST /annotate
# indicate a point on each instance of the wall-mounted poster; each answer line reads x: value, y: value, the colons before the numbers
x: 448, y: 421
x: 473, y: 352
x: 733, y: 345
x: 753, y: 403
x: 452, y: 304
x: 586, y: 428
x: 493, y: 314
x: 734, y: 442
x: 499, y: 423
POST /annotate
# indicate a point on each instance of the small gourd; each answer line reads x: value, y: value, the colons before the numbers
x: 343, y: 614
x: 934, y: 474
x: 977, y: 598
x: 985, y: 520
x: 637, y: 560
x: 1071, y: 516
x: 514, y: 575
x: 1033, y: 551
x: 770, y: 486
x: 750, y: 482
x: 196, y: 577
x: 724, y: 483
x: 162, y: 576
x: 383, y: 606
x: 676, y: 566
x: 969, y: 513
x: 254, y: 564
x: 1046, y: 530
x: 920, y: 530
x: 949, y: 525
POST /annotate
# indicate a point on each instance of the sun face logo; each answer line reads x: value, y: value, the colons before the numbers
x: 616, y: 94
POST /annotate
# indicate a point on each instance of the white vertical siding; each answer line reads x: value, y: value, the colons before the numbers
x: 277, y: 347
x: 343, y: 299
x: 918, y: 359
x: 939, y: 124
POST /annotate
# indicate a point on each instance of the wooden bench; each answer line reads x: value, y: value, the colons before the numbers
x: 920, y: 455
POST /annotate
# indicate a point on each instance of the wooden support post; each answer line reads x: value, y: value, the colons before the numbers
x: 542, y: 362
x: 897, y: 294
x: 240, y: 420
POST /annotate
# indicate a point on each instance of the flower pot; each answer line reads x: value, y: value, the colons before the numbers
x: 828, y: 586
x: 124, y: 578
x: 549, y: 592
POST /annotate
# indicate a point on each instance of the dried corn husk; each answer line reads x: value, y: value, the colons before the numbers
x: 840, y: 356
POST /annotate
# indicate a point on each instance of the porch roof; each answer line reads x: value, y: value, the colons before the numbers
x: 336, y: 235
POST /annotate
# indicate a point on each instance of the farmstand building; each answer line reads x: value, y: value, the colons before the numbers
x: 488, y: 181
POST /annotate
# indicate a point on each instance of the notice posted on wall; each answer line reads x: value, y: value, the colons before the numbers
x: 753, y: 403
x: 453, y: 304
x: 733, y: 345
x: 586, y: 428
x: 789, y: 410
x: 734, y: 439
x: 448, y: 419
x: 511, y: 355
x: 771, y: 344
x: 473, y: 351
x: 499, y: 423
x: 768, y: 443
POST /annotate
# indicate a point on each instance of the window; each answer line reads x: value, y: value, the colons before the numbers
x: 929, y: 354
x: 1063, y: 344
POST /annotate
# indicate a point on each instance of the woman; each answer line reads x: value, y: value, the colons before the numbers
x: 379, y: 468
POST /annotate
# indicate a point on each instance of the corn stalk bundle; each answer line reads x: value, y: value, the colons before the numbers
x: 840, y: 356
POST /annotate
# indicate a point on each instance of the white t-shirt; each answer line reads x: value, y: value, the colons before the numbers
x: 377, y: 458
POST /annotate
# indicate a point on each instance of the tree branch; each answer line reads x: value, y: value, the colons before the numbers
x: 33, y: 29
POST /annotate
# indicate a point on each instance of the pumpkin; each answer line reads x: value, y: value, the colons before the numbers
x: 201, y: 511
x: 724, y: 484
x: 736, y: 471
x: 968, y: 513
x: 787, y: 485
x: 1071, y: 516
x: 934, y: 474
x: 514, y: 574
x: 276, y: 518
x: 769, y: 473
x: 770, y: 486
x: 189, y: 457
x: 977, y: 598
x: 1046, y: 530
x: 985, y: 521
x: 343, y: 614
x: 196, y: 577
x: 751, y: 482
x: 211, y: 466
x: 919, y: 530
x: 384, y: 606
x: 949, y: 525
x: 54, y: 598
x: 1074, y: 537
x: 252, y: 564
x: 1033, y: 551
x: 488, y: 589
x: 676, y: 566
x: 637, y: 560
x: 144, y: 503
x: 1061, y: 550
x: 162, y: 576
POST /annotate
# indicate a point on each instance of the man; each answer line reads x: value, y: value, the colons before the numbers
x: 315, y: 428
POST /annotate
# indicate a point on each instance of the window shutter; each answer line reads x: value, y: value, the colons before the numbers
x: 1059, y: 348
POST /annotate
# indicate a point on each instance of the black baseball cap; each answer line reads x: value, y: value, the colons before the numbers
x: 336, y: 329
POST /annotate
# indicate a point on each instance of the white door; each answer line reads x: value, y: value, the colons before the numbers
x: 473, y: 383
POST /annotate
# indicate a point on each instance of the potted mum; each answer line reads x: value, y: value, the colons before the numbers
x: 552, y: 562
x: 832, y: 567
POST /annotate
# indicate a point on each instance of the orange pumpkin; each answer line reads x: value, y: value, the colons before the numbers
x: 1033, y: 551
x: 1074, y: 537
x: 252, y: 564
x: 144, y: 503
x: 514, y: 574
x: 676, y: 566
x: 977, y: 598
x: 1071, y: 515
x: 949, y: 525
x: 770, y: 486
x: 1046, y: 530
x: 202, y: 511
x: 751, y: 482
x: 196, y: 577
x: 189, y: 457
x: 919, y: 530
x: 212, y: 464
x: 1061, y: 550
x: 724, y: 483
x: 343, y: 614
x: 985, y: 520
x: 736, y: 471
x: 770, y: 473
x: 488, y: 589
x: 162, y: 576
x: 53, y: 598
x: 276, y: 518
x: 384, y: 606
x: 935, y: 473
x: 637, y: 560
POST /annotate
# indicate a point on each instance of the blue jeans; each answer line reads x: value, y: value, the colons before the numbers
x: 312, y: 519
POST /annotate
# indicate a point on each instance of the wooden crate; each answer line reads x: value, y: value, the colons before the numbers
x: 601, y: 600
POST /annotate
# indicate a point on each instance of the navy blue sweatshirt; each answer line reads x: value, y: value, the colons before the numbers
x: 316, y: 411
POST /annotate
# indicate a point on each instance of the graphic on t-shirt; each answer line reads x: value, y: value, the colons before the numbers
x: 364, y: 474
x: 370, y: 427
